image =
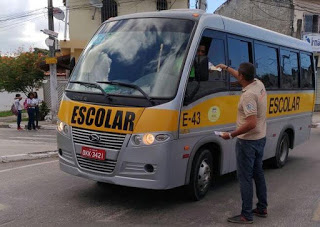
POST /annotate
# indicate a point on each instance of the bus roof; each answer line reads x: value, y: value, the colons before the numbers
x: 252, y: 31
x: 226, y: 24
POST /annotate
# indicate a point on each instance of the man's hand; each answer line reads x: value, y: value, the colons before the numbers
x: 222, y: 66
x: 225, y: 136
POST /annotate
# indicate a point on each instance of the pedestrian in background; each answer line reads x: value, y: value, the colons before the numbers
x: 251, y: 139
x: 31, y: 105
x: 19, y: 108
x: 37, y: 101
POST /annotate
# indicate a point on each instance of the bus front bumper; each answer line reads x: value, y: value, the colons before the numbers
x: 142, y: 167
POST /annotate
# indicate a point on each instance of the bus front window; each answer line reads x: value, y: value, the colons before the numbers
x: 147, y: 53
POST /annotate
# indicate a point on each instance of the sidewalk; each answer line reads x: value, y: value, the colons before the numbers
x: 316, y: 119
x: 10, y: 122
x: 26, y: 145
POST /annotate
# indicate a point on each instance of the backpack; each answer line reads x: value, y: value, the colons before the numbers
x: 25, y: 105
x: 14, y: 109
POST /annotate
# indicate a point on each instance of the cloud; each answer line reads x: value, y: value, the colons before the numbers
x: 25, y: 32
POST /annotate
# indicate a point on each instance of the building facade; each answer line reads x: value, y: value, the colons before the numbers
x: 297, y: 18
x: 85, y: 16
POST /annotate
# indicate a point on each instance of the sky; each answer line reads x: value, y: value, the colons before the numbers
x: 22, y: 20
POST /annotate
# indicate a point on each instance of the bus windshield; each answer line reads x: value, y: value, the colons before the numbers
x: 147, y: 53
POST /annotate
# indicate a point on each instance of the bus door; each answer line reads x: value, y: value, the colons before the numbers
x: 204, y: 107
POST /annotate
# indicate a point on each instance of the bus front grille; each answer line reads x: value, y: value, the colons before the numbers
x: 105, y: 166
x: 106, y: 140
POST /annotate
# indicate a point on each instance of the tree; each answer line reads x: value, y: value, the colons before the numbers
x: 21, y: 72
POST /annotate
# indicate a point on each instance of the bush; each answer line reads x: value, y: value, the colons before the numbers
x: 43, y: 111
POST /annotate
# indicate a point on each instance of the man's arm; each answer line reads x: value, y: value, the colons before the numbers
x: 230, y: 70
x: 251, y: 123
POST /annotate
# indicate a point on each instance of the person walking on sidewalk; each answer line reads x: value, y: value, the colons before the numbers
x: 251, y: 139
x: 18, y: 107
x: 31, y: 105
x: 37, y: 101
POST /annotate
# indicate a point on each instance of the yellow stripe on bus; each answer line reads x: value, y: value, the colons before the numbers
x: 223, y: 110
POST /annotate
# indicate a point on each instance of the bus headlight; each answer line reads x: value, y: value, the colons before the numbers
x: 63, y: 128
x: 149, y: 139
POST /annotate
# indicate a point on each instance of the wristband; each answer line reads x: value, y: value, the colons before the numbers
x: 227, y: 68
x: 230, y: 136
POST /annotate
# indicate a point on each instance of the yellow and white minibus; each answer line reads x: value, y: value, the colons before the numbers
x: 141, y: 107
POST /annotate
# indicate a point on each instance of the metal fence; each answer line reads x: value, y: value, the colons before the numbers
x: 61, y: 86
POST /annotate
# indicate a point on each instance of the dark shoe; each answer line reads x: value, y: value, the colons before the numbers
x: 240, y: 220
x: 263, y: 213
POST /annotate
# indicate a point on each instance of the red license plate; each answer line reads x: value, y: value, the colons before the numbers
x: 89, y: 152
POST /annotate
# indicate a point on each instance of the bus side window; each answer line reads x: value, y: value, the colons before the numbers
x: 217, y: 80
x: 266, y: 62
x: 289, y: 69
x: 306, y: 71
x: 239, y: 52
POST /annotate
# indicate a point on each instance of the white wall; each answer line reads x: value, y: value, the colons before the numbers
x: 6, y: 99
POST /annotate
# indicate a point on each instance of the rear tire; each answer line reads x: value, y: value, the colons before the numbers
x: 282, y: 151
x: 201, y: 175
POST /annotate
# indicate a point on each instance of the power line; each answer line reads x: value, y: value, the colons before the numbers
x: 268, y: 13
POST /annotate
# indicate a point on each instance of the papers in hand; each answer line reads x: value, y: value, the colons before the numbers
x: 217, y: 133
x: 213, y: 68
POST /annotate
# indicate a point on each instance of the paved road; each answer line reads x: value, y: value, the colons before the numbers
x: 37, y: 193
x: 13, y: 142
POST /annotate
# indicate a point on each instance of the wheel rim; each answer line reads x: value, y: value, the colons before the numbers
x: 283, y: 150
x: 204, y: 176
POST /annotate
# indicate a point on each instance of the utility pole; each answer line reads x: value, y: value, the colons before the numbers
x: 53, y: 67
x: 202, y: 4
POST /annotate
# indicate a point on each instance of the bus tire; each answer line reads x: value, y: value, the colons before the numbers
x: 201, y: 175
x: 282, y: 152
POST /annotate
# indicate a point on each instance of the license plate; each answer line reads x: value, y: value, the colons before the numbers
x: 92, y: 153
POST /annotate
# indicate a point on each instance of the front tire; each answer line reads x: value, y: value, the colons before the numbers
x: 282, y: 151
x: 201, y: 175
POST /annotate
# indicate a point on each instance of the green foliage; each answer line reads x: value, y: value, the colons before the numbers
x: 43, y: 111
x: 5, y: 113
x: 21, y: 73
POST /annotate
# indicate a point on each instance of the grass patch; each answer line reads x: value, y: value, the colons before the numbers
x: 5, y: 113
x: 8, y: 113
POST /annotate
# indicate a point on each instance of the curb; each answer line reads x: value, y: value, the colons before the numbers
x: 316, y: 125
x: 4, y: 126
x: 30, y: 156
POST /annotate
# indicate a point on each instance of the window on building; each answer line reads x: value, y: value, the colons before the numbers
x: 239, y: 52
x: 289, y: 69
x: 266, y: 62
x: 162, y: 5
x: 306, y: 71
x: 109, y: 9
x: 311, y: 23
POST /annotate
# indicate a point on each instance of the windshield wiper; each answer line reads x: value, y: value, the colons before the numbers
x: 130, y: 86
x: 91, y: 85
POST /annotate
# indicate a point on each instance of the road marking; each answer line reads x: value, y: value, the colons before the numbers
x: 115, y: 215
x: 23, y: 167
x: 2, y: 207
x: 316, y: 214
x: 32, y: 138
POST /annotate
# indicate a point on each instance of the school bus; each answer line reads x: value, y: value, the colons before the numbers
x: 133, y: 115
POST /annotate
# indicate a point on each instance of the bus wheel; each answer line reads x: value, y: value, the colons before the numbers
x: 282, y: 151
x: 201, y: 175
